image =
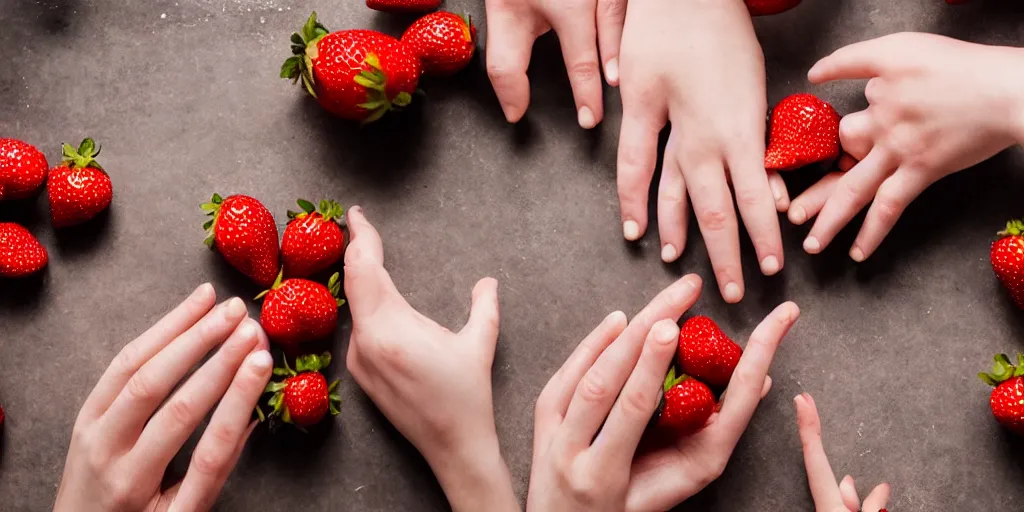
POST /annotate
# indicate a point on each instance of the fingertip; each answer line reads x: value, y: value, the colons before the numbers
x: 797, y: 215
x: 617, y: 319
x: 732, y: 293
x: 693, y: 280
x: 586, y: 118
x: 665, y: 332
x: 485, y: 287
x: 260, y: 362
x: 203, y: 293
x: 631, y: 230
x: 611, y: 72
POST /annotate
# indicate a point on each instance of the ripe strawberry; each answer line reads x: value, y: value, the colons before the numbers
x: 22, y: 169
x: 20, y: 253
x: 403, y: 6
x: 444, y: 41
x: 243, y: 230
x: 304, y: 398
x: 299, y: 310
x: 1007, y: 399
x: 685, y: 406
x: 804, y: 130
x: 312, y: 240
x: 705, y: 352
x: 769, y: 7
x: 1007, y: 256
x: 78, y: 188
x: 354, y: 74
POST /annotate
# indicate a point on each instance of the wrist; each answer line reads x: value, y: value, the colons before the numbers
x: 474, y: 476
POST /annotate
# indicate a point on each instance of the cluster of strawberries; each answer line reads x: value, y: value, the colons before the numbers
x: 78, y: 190
x: 296, y: 308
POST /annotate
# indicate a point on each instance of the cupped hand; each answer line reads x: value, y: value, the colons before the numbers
x: 698, y: 65
x: 583, y: 26
x: 828, y: 495
x: 936, y: 106
x: 134, y: 421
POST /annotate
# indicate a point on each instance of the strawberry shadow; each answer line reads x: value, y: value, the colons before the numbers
x: 24, y: 294
x: 30, y: 212
x: 77, y: 240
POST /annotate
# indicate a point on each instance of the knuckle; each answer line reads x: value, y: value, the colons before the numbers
x: 392, y: 356
x: 872, y: 91
x: 209, y: 462
x: 615, y: 9
x: 121, y: 490
x: 127, y: 359
x: 585, y: 70
x: 746, y: 378
x: 636, y: 404
x: 140, y: 388
x: 181, y: 411
x: 713, y: 219
x: 593, y: 388
x: 747, y: 197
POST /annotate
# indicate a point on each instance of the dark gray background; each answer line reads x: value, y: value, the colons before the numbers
x: 184, y: 97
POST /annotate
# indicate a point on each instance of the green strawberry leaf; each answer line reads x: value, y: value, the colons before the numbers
x: 986, y: 379
x: 334, y: 386
x: 282, y: 372
x: 403, y: 99
x: 274, y: 387
x: 292, y: 68
x: 306, y: 206
x: 87, y: 147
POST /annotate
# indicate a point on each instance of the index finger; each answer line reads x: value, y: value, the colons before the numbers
x: 866, y: 59
x: 822, y: 481
x: 637, y: 156
x: 509, y: 45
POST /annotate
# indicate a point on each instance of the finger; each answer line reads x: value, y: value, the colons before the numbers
x: 218, y: 449
x: 857, y: 61
x: 846, y: 162
x: 809, y: 203
x: 509, y: 45
x: 143, y: 348
x: 637, y: 156
x: 484, y: 315
x: 856, y: 132
x: 578, y: 39
x: 171, y: 426
x: 848, y: 490
x: 878, y: 499
x: 893, y: 197
x: 716, y: 216
x: 779, y: 191
x: 364, y: 247
x: 757, y: 207
x: 618, y: 440
x: 819, y: 473
x: 748, y: 378
x: 672, y: 207
x: 852, y: 193
x: 611, y: 15
x: 148, y: 388
x: 367, y: 283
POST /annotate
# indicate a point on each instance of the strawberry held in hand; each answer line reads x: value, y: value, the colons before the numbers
x: 304, y: 398
x: 20, y: 253
x: 312, y: 240
x: 1007, y: 399
x: 23, y: 169
x: 769, y: 7
x: 685, y: 406
x: 1007, y: 256
x: 299, y: 310
x: 243, y: 230
x: 804, y: 130
x: 705, y: 352
x: 403, y: 6
x: 78, y: 188
x: 354, y: 74
x: 444, y: 41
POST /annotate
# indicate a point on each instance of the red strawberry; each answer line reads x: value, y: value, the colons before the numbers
x: 20, y: 253
x: 243, y: 230
x: 686, y: 405
x: 1007, y: 256
x: 312, y: 240
x: 79, y: 188
x: 706, y: 353
x: 299, y: 310
x: 304, y: 398
x: 354, y: 74
x: 403, y: 5
x: 444, y: 41
x: 804, y: 130
x: 769, y: 7
x: 22, y: 169
x: 1007, y: 399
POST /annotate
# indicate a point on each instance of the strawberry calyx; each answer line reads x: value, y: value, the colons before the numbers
x: 303, y: 364
x: 1003, y: 370
x: 672, y: 380
x: 211, y: 209
x: 1013, y: 228
x: 329, y: 210
x: 83, y: 157
x: 469, y: 31
x: 375, y: 81
x: 334, y: 286
x: 277, y: 284
x: 304, y: 50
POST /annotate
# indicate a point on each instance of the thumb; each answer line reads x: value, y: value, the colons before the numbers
x: 367, y: 284
x: 483, y: 315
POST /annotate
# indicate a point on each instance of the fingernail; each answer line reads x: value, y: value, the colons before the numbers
x: 617, y: 317
x: 631, y: 230
x: 611, y: 71
x: 508, y: 115
x: 732, y: 293
x: 261, y: 361
x: 769, y: 265
x: 692, y: 280
x: 857, y: 254
x: 234, y: 308
x: 811, y: 245
x: 799, y: 398
x: 668, y: 253
x: 666, y: 334
x: 356, y: 209
x: 586, y: 118
x: 201, y: 291
x: 797, y: 215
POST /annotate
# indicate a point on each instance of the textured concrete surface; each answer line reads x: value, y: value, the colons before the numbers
x: 185, y: 98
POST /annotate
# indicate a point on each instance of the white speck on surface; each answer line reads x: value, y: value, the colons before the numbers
x: 163, y: 16
x: 357, y: 489
x: 263, y: 20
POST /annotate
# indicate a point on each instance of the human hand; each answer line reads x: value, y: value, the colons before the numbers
x: 131, y: 425
x: 432, y: 384
x: 698, y: 65
x: 582, y: 26
x: 829, y: 496
x: 936, y: 106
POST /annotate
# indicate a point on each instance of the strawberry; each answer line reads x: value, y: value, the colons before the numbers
x: 685, y: 405
x: 403, y: 6
x: 20, y: 253
x: 23, y: 169
x: 706, y: 353
x: 354, y: 74
x: 769, y: 7
x: 243, y: 230
x: 1007, y: 256
x: 804, y: 130
x: 312, y: 240
x: 78, y: 188
x: 303, y: 398
x: 299, y: 310
x: 1006, y: 400
x: 444, y: 41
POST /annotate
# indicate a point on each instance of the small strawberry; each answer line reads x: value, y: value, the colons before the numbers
x: 706, y: 353
x: 303, y: 398
x: 1007, y: 399
x: 243, y: 230
x: 403, y: 6
x: 444, y: 41
x: 769, y: 7
x: 23, y: 169
x: 685, y: 406
x: 299, y: 310
x: 354, y: 74
x: 20, y: 253
x: 78, y: 188
x: 312, y: 240
x: 804, y: 130
x: 1007, y: 256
